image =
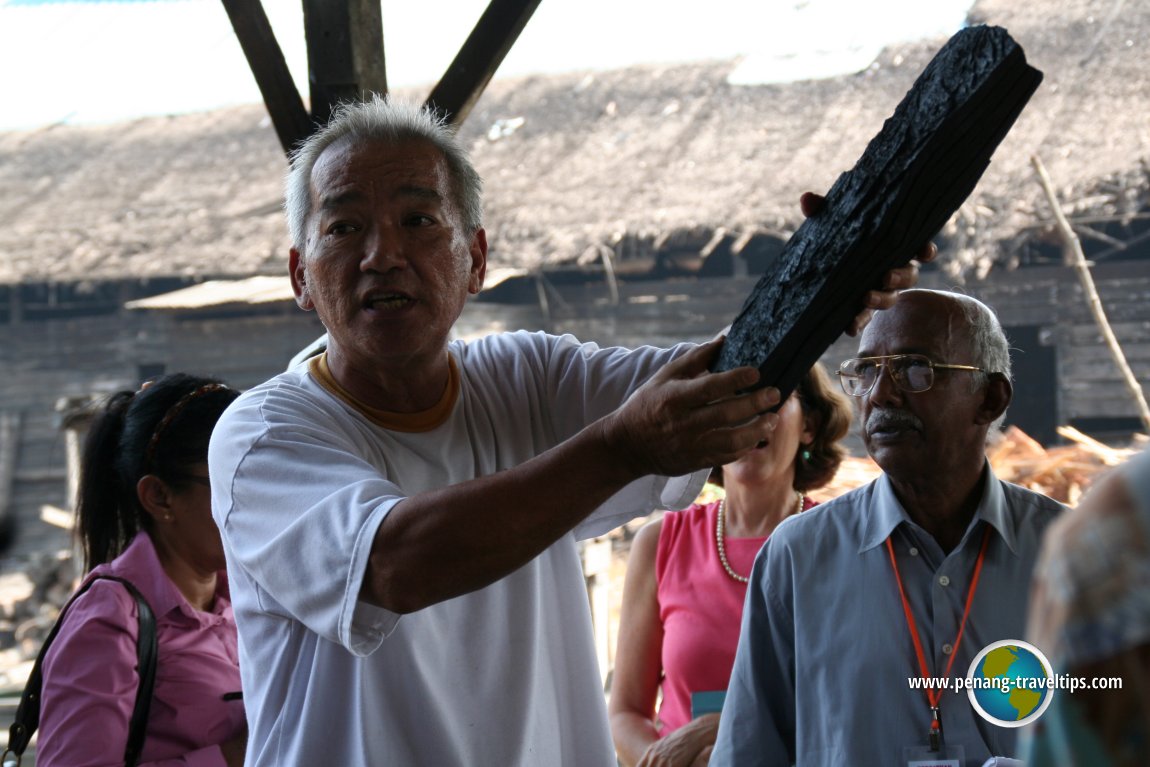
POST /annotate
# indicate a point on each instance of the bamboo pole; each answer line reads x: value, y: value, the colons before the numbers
x: 1077, y: 259
x: 609, y: 271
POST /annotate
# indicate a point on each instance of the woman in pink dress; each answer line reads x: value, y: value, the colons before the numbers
x: 144, y: 515
x: 687, y: 578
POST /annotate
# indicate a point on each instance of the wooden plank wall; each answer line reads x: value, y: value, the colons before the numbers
x: 1089, y: 384
x: 48, y: 361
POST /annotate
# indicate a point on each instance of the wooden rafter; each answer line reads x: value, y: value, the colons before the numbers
x: 482, y: 53
x: 286, y: 108
x: 346, y: 59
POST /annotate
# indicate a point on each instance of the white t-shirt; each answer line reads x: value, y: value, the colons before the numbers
x: 503, y: 676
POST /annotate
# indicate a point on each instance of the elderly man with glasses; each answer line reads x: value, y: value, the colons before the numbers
x: 855, y: 602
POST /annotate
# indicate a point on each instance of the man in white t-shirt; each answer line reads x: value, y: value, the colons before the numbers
x: 400, y: 514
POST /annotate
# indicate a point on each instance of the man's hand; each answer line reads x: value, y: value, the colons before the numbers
x: 686, y: 418
x: 893, y: 281
x: 688, y: 746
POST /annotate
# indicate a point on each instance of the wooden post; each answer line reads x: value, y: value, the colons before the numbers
x: 344, y: 53
x: 541, y: 294
x: 9, y: 453
x: 1077, y: 259
x: 597, y: 574
x: 609, y: 272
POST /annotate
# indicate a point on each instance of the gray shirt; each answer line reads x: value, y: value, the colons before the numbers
x: 825, y: 654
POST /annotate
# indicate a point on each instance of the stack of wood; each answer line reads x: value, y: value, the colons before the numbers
x: 854, y: 472
x: 1063, y: 472
x: 31, y: 598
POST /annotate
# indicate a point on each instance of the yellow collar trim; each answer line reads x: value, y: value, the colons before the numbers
x: 425, y: 420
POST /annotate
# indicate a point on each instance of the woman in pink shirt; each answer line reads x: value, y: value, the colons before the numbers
x: 144, y: 514
x: 687, y: 578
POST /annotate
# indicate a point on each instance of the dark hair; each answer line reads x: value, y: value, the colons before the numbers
x: 161, y: 430
x: 832, y: 420
x: 832, y: 412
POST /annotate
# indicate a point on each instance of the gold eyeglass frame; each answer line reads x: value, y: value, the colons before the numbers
x: 883, y: 360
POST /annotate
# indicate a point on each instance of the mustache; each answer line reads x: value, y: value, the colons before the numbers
x: 892, y: 420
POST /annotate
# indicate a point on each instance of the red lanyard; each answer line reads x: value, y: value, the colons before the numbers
x: 933, y: 696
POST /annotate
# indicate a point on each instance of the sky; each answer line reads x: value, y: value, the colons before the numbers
x: 93, y: 61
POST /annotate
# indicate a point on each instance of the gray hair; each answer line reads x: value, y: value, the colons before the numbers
x: 989, y: 347
x: 382, y: 119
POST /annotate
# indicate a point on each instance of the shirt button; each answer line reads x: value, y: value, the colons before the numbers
x: 943, y: 580
x: 913, y: 551
x: 947, y: 649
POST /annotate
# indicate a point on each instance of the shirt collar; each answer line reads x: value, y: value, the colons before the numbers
x: 427, y: 420
x: 885, y: 513
x: 140, y: 565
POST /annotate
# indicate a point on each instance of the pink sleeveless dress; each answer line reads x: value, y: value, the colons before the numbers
x: 700, y: 607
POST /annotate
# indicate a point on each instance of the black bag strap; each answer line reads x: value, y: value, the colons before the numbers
x: 28, y: 712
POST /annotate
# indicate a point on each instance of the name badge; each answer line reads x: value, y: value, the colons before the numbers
x: 922, y: 756
x: 707, y: 702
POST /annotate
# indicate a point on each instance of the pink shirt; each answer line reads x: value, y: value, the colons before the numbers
x: 700, y: 607
x: 90, y: 676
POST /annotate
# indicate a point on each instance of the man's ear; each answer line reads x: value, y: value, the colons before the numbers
x: 155, y: 497
x: 996, y: 397
x: 478, y: 250
x: 297, y: 269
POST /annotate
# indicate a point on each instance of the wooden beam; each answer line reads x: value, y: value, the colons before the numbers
x: 482, y: 53
x: 344, y: 53
x: 912, y: 177
x: 284, y: 105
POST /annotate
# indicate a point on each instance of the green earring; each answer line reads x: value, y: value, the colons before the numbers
x: 806, y: 455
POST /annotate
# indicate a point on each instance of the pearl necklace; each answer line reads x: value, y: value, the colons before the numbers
x: 719, y: 535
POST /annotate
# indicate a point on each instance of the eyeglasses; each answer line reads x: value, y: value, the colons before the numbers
x: 910, y: 372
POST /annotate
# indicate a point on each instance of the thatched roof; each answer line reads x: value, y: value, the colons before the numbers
x: 573, y: 161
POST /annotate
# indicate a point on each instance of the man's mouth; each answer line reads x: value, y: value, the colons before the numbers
x: 388, y: 301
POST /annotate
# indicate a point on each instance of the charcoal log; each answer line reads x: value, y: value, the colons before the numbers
x: 912, y: 177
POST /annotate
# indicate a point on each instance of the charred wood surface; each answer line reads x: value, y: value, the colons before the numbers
x: 910, y: 179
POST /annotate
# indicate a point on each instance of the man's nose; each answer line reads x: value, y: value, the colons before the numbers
x: 383, y: 250
x: 885, y: 390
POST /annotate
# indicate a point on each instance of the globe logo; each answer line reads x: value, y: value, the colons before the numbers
x: 1010, y: 683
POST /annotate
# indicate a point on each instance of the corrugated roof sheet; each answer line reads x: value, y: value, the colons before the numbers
x: 258, y: 290
x: 254, y: 290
